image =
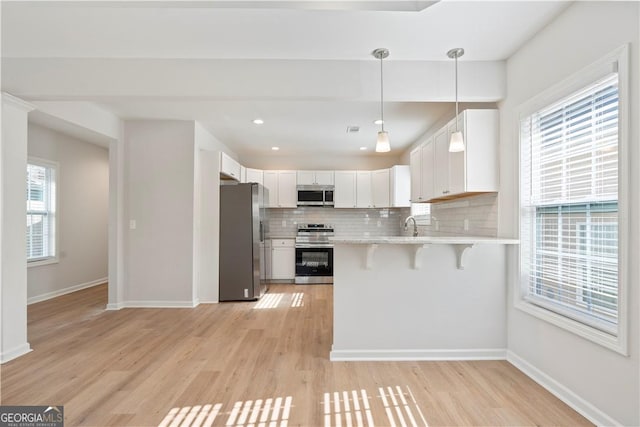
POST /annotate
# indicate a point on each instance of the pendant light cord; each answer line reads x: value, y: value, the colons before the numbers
x: 456, y: 93
x: 381, y: 95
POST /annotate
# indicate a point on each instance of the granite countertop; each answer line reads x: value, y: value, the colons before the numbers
x: 424, y: 240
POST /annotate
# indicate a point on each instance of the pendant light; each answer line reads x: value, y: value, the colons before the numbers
x: 382, y: 143
x: 456, y: 143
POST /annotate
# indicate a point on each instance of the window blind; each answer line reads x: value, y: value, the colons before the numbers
x: 40, y: 212
x: 569, y: 205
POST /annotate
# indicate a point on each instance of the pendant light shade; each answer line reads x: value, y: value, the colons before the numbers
x: 382, y: 143
x: 456, y: 143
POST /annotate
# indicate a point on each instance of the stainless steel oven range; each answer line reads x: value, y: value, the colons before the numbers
x: 314, y: 254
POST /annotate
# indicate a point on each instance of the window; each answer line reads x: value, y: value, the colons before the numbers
x: 41, y: 210
x: 422, y: 213
x: 569, y: 205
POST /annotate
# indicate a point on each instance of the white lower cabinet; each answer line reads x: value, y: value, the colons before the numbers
x: 283, y: 259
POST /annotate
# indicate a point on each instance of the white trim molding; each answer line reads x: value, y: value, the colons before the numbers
x: 580, y: 405
x: 14, y: 101
x: 152, y: 304
x: 414, y: 355
x: 617, y: 60
x: 15, y: 353
x: 70, y: 289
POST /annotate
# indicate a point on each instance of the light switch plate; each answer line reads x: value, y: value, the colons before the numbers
x: 132, y: 224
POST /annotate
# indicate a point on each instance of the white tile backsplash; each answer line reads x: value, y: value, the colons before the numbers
x: 346, y: 222
x: 448, y: 218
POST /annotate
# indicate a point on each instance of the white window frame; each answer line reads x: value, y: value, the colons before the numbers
x: 421, y: 218
x: 617, y: 342
x: 55, y: 240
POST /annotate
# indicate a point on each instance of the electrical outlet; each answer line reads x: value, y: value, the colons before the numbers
x: 284, y: 223
x: 436, y: 224
x: 466, y: 224
x: 132, y: 224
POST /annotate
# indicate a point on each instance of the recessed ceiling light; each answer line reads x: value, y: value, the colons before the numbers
x: 258, y: 121
x: 363, y: 148
x: 275, y: 148
x: 377, y: 122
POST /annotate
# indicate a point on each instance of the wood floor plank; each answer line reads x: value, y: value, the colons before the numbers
x: 238, y: 363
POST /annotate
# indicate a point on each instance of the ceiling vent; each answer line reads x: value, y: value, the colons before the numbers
x: 353, y: 129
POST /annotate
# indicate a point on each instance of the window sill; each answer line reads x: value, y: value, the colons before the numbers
x: 41, y: 262
x: 614, y: 343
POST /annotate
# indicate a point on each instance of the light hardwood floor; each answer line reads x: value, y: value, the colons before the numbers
x: 237, y: 364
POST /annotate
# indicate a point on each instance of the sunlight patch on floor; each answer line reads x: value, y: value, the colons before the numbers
x: 356, y: 409
x: 191, y: 416
x: 296, y: 299
x: 353, y: 409
x: 396, y: 405
x: 269, y: 300
x: 259, y: 413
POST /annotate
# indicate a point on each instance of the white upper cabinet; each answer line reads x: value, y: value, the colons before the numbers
x: 399, y: 186
x: 229, y: 167
x: 282, y: 188
x: 315, y: 178
x: 380, y: 191
x: 474, y: 170
x: 441, y: 165
x: 415, y: 162
x: 428, y: 169
x: 270, y: 181
x: 344, y: 194
x: 364, y: 197
x: 422, y: 176
x: 254, y: 175
x: 287, y: 193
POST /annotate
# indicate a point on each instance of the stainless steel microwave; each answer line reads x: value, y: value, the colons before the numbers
x: 315, y: 195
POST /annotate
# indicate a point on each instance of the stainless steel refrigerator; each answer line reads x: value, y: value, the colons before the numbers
x: 242, y: 231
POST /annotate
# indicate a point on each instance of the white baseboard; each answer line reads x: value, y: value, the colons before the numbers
x: 114, y: 306
x: 576, y: 402
x: 407, y: 355
x: 156, y: 304
x: 59, y: 292
x: 15, y: 352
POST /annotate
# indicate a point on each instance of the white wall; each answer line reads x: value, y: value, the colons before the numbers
x: 172, y: 192
x: 159, y: 198
x: 207, y: 213
x: 82, y: 214
x: 13, y: 264
x: 313, y: 161
x: 600, y: 383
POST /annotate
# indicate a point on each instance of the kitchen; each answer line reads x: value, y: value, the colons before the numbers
x: 166, y: 163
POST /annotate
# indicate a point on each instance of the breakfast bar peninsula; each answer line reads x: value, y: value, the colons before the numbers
x: 420, y: 298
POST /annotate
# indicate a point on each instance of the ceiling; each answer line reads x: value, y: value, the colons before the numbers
x: 304, y: 67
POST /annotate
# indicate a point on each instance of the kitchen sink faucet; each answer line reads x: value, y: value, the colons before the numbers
x: 415, y: 226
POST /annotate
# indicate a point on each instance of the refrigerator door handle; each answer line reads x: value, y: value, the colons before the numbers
x: 261, y: 232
